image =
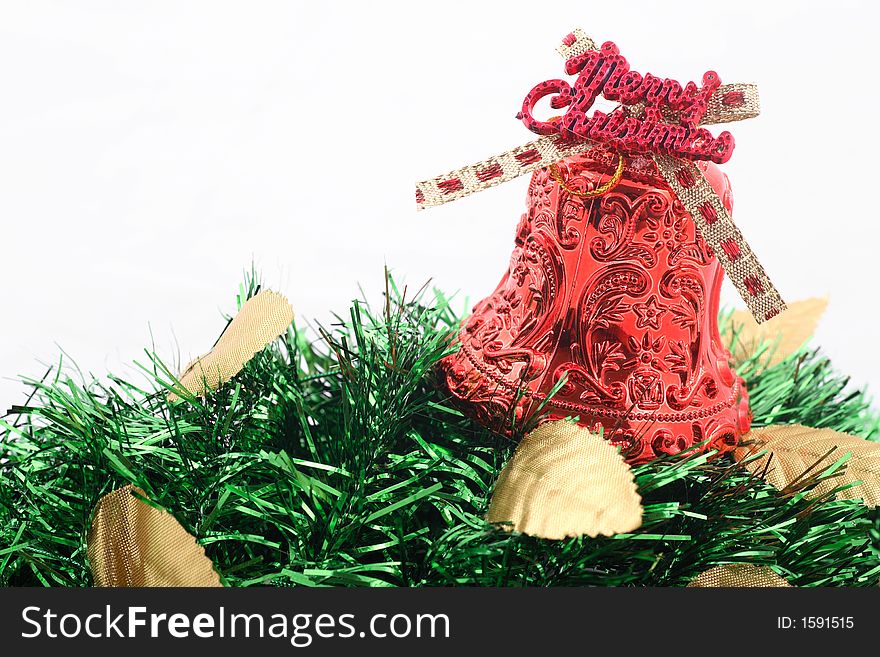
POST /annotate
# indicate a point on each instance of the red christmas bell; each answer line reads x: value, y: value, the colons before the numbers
x: 608, y: 311
x: 612, y: 298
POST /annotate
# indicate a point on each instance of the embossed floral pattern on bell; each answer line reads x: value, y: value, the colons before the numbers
x: 615, y: 298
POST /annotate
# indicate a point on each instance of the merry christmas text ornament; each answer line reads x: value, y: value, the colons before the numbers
x: 608, y: 310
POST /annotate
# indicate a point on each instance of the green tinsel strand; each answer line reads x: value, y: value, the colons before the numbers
x: 336, y: 461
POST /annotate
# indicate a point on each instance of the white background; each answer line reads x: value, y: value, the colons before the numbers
x: 150, y: 151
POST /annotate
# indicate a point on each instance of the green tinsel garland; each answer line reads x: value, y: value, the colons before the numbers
x: 336, y: 461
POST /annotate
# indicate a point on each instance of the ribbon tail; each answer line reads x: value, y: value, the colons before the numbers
x: 717, y: 228
x: 496, y: 170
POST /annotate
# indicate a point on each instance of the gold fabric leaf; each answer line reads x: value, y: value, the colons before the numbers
x: 739, y: 575
x: 564, y: 481
x: 783, y: 334
x: 132, y: 544
x: 793, y: 450
x: 262, y: 318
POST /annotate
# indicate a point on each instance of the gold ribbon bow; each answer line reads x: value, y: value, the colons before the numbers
x: 730, y: 102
